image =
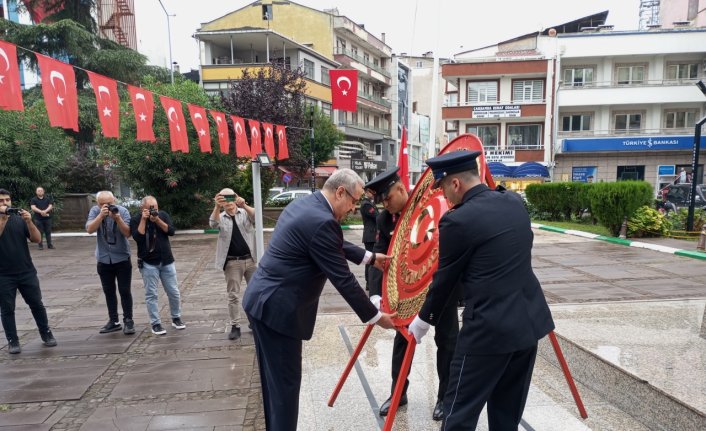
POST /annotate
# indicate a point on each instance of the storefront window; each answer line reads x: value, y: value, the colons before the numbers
x: 631, y: 173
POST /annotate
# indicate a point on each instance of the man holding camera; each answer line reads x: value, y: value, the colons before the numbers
x: 112, y: 226
x: 151, y: 231
x: 17, y: 272
x: 42, y: 205
x: 235, y: 249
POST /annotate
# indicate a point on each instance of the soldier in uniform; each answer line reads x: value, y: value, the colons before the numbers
x: 485, y: 245
x: 388, y: 189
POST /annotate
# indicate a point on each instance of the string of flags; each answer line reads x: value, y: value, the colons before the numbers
x: 61, y: 99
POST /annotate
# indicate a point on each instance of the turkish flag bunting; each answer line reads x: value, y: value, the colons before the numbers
x: 255, y: 142
x: 344, y: 89
x: 143, y: 107
x: 269, y: 140
x: 200, y: 122
x: 242, y: 149
x: 107, y: 102
x: 177, y: 124
x: 283, y: 151
x: 222, y: 128
x: 10, y: 90
x: 59, y: 89
x: 403, y: 160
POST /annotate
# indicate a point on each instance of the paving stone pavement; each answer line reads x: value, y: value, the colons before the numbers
x: 198, y: 379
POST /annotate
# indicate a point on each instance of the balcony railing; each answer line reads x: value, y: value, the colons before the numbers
x: 620, y: 132
x: 376, y: 99
x: 359, y: 59
x: 463, y: 103
x: 635, y: 83
x: 364, y: 127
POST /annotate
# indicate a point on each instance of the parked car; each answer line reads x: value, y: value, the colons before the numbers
x: 675, y: 196
x: 274, y: 191
x: 290, y: 195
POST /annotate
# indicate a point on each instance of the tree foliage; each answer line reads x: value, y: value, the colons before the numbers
x: 612, y: 202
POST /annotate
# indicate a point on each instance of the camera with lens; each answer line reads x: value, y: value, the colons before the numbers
x: 10, y: 210
x: 153, y: 212
x: 114, y: 209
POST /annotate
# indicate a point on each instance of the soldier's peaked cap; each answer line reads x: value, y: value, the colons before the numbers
x: 380, y: 185
x: 452, y: 163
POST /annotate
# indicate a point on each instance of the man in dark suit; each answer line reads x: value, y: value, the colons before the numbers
x: 485, y: 244
x: 388, y: 189
x: 369, y: 213
x: 281, y: 300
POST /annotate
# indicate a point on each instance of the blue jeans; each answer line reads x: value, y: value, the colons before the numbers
x: 151, y: 274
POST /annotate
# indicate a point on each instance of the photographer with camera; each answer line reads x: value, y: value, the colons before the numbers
x: 17, y: 272
x: 235, y: 249
x: 151, y: 231
x: 112, y: 226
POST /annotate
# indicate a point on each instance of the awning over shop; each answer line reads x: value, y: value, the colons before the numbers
x: 527, y: 169
x: 498, y: 169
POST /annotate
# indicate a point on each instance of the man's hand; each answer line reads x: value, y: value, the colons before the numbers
x: 418, y: 328
x: 219, y: 200
x: 145, y: 213
x: 239, y: 201
x: 381, y: 261
x: 26, y: 216
x: 376, y: 300
x: 105, y: 212
x: 386, y: 320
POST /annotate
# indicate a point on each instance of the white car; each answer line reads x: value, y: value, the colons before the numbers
x: 290, y: 195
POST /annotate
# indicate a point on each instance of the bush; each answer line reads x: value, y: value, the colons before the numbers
x: 612, y: 202
x: 83, y: 174
x: 648, y: 222
x: 558, y: 200
x: 677, y: 219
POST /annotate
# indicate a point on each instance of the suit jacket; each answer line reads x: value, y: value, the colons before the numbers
x: 369, y: 214
x: 306, y: 248
x: 485, y: 244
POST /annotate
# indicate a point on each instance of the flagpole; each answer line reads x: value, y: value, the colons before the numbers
x: 311, y: 141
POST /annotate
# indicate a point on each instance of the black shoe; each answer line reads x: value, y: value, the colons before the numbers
x: 385, y: 407
x: 177, y: 323
x: 40, y: 246
x: 234, y: 333
x: 128, y: 327
x: 14, y: 347
x: 51, y: 246
x: 111, y: 327
x: 158, y: 330
x: 438, y: 411
x: 48, y: 339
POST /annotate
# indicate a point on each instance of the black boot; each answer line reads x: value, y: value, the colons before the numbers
x: 385, y: 407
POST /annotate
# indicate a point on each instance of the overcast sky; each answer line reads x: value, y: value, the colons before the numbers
x: 411, y: 26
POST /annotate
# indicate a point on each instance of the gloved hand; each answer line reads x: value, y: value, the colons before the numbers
x: 376, y: 300
x: 418, y: 328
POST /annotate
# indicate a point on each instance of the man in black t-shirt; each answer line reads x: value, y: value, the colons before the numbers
x: 17, y: 272
x: 151, y: 230
x: 42, y: 205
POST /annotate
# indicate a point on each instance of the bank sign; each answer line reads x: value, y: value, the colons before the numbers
x: 630, y: 143
x: 496, y: 111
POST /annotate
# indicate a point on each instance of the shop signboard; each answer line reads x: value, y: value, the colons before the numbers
x: 584, y: 174
x: 497, y: 111
x: 502, y: 156
x: 630, y: 143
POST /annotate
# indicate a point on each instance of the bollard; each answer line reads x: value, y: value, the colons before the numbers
x: 624, y: 229
x: 702, y: 239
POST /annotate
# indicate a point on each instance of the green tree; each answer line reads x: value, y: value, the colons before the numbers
x: 183, y: 183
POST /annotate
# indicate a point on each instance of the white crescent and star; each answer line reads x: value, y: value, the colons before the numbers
x: 238, y: 128
x: 280, y: 135
x: 104, y: 89
x: 55, y: 74
x: 347, y: 81
x: 268, y: 131
x: 171, y: 111
x: 140, y: 96
x: 198, y: 115
x: 3, y: 54
x: 254, y: 132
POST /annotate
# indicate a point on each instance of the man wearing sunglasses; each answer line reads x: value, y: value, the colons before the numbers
x: 111, y: 223
x: 388, y: 189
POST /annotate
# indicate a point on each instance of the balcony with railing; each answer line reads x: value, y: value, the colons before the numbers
x: 625, y: 132
x: 647, y: 91
x: 354, y: 56
x: 375, y: 99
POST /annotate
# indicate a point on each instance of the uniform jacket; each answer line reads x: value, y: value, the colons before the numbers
x: 369, y: 213
x: 306, y: 248
x: 485, y: 245
x: 225, y: 230
x: 385, y: 228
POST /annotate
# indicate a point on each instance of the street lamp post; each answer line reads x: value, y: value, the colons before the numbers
x: 169, y: 35
x: 695, y: 164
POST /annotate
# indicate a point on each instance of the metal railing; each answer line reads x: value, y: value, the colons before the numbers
x: 463, y: 103
x: 376, y: 99
x: 364, y: 127
x: 633, y: 83
x: 620, y: 132
x: 359, y: 59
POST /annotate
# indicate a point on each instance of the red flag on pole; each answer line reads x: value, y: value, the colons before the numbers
x: 143, y: 107
x: 403, y: 160
x: 10, y: 90
x: 242, y: 149
x: 107, y: 102
x: 255, y: 142
x: 200, y: 122
x: 269, y: 140
x: 177, y: 125
x: 283, y: 152
x: 59, y: 90
x: 344, y: 89
x: 222, y: 128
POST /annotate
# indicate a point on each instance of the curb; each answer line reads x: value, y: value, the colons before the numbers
x: 656, y: 247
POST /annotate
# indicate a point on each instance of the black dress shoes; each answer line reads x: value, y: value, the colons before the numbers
x: 385, y: 407
x: 438, y: 411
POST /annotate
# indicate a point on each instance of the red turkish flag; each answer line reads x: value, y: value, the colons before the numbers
x: 222, y: 128
x: 242, y: 149
x: 283, y: 152
x: 344, y: 89
x: 143, y: 107
x: 200, y: 122
x: 177, y: 124
x: 255, y: 142
x: 59, y: 90
x: 10, y: 90
x: 269, y: 140
x: 107, y: 102
x: 403, y: 160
